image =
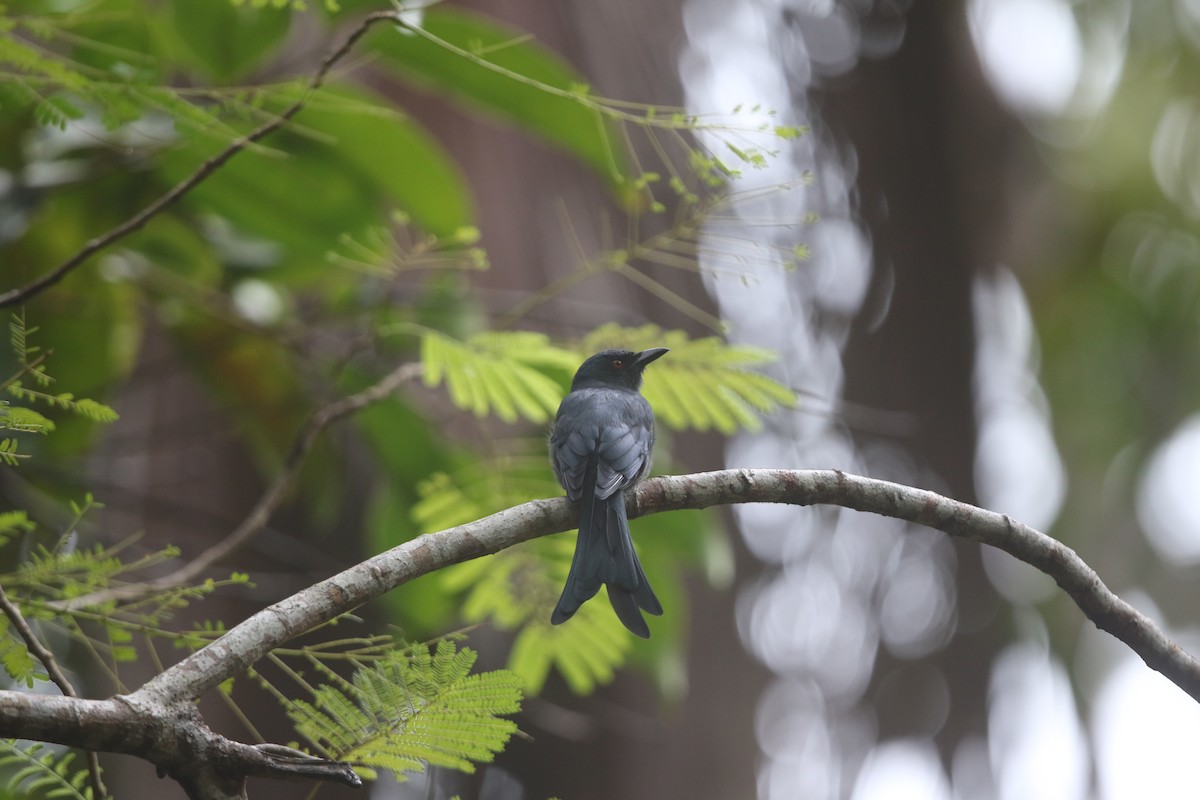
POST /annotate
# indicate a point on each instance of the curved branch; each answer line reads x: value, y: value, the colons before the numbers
x: 134, y: 223
x: 160, y: 723
x: 243, y: 645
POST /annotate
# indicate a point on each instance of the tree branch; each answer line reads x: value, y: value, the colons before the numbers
x: 159, y: 722
x: 134, y: 223
x: 175, y: 739
x: 60, y: 679
x: 243, y: 645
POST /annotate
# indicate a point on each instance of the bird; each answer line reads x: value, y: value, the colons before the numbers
x: 601, y: 444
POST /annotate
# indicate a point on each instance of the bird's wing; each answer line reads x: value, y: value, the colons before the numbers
x: 570, y: 452
x: 614, y: 428
x: 622, y: 452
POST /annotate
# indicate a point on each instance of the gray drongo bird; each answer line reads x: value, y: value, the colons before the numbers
x: 600, y: 446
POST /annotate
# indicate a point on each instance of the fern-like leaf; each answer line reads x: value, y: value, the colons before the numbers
x: 23, y: 420
x: 12, y: 523
x: 704, y: 383
x: 587, y: 652
x: 39, y: 770
x: 15, y: 657
x: 91, y: 409
x: 516, y: 588
x: 410, y: 709
x: 9, y: 454
x: 497, y: 372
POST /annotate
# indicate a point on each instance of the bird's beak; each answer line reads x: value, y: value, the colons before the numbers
x: 646, y: 356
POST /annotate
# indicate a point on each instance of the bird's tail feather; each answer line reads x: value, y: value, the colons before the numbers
x: 604, y: 554
x: 583, y: 581
x: 627, y: 611
x: 636, y: 585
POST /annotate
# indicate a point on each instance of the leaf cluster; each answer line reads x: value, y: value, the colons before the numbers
x: 38, y: 770
x: 703, y: 384
x: 411, y: 709
x: 21, y: 419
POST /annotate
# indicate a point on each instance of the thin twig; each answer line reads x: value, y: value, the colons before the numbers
x: 270, y: 499
x: 47, y: 659
x: 258, y: 517
x: 40, y: 284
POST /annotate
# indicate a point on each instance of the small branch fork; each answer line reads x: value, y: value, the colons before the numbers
x: 47, y: 659
x: 138, y: 220
x: 159, y: 722
x: 268, y: 502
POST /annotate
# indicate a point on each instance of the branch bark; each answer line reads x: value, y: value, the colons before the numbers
x: 159, y: 721
x: 246, y: 643
x: 54, y: 671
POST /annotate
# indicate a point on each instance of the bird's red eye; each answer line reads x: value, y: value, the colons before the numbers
x: 618, y: 364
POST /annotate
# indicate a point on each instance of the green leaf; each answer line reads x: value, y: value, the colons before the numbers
x: 349, y: 160
x: 404, y: 163
x: 36, y: 770
x: 702, y: 383
x: 89, y: 409
x: 223, y: 41
x: 9, y: 452
x: 446, y: 53
x: 25, y: 58
x: 18, y: 662
x: 25, y: 420
x: 498, y: 373
x: 413, y: 708
x: 586, y: 651
x: 14, y: 522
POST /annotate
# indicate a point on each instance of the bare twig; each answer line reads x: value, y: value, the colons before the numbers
x: 258, y: 517
x: 270, y: 499
x: 47, y: 659
x: 134, y: 223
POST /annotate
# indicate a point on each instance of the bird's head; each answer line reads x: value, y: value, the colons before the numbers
x: 621, y: 368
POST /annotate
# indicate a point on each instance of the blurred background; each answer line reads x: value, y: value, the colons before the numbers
x: 997, y: 202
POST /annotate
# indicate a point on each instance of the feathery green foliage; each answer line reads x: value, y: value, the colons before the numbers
x: 41, y: 771
x: 703, y: 383
x: 12, y: 523
x: 9, y: 454
x: 411, y: 709
x: 15, y: 657
x: 516, y: 588
x: 91, y: 409
x: 387, y: 250
x: 497, y: 372
x: 30, y: 360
